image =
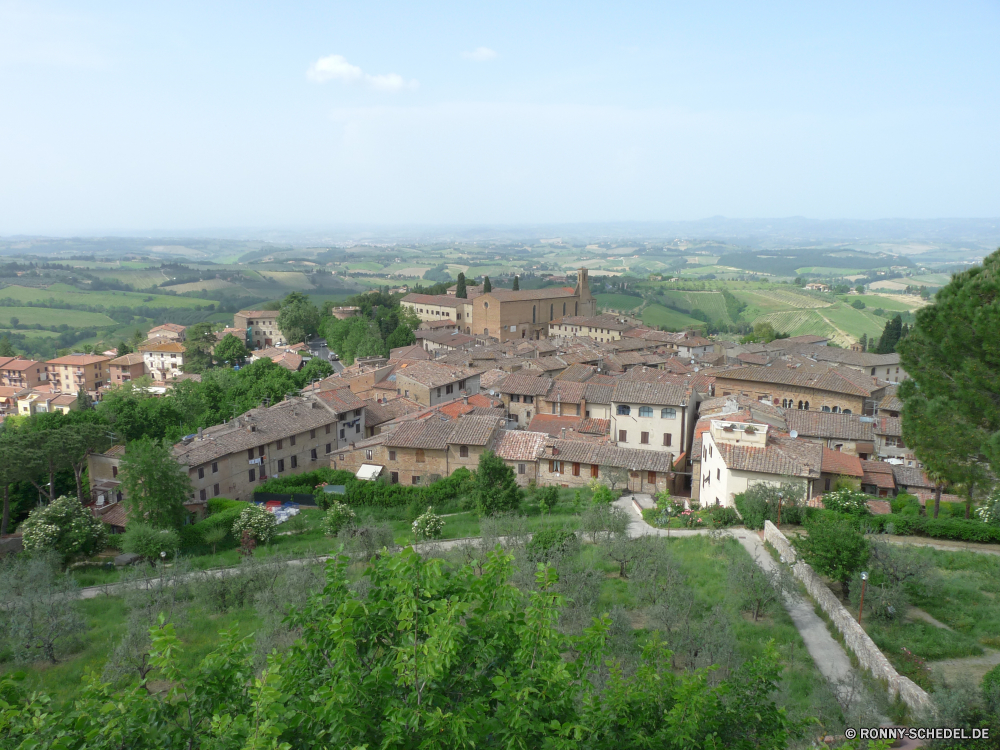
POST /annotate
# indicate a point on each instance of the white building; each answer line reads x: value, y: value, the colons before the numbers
x: 652, y: 415
x: 163, y: 358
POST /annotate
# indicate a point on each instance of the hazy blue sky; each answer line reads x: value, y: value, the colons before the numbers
x: 155, y: 115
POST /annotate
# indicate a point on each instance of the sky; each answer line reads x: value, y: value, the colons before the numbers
x: 174, y: 116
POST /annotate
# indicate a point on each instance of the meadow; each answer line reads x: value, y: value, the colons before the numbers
x: 109, y: 298
x: 45, y: 316
x: 618, y: 301
x: 658, y: 315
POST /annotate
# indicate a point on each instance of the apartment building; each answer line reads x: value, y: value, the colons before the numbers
x: 78, y: 372
x: 163, y: 358
x: 21, y: 373
x: 297, y: 435
x: 432, y: 383
x: 601, y: 328
x: 657, y: 416
x: 171, y: 331
x: 261, y: 328
x: 126, y: 368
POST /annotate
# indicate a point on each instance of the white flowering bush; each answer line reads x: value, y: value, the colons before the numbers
x: 989, y: 511
x: 66, y: 527
x: 847, y: 501
x: 337, y: 517
x: 258, y: 522
x: 428, y: 526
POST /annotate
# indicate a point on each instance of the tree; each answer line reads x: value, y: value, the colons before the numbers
x: 516, y: 285
x: 401, y: 336
x: 487, y: 286
x: 496, y: 489
x: 860, y: 288
x: 8, y: 475
x: 460, y: 290
x: 614, y: 476
x: 835, y: 549
x: 154, y: 485
x: 6, y: 350
x: 79, y: 440
x: 298, y: 318
x: 64, y: 527
x: 891, y: 335
x: 123, y: 348
x: 758, y: 589
x: 137, y: 338
x: 231, y: 350
x: 198, y: 344
x: 864, y: 342
x: 41, y: 614
x: 954, y: 368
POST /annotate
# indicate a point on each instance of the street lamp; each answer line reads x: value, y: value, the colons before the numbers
x: 861, y: 606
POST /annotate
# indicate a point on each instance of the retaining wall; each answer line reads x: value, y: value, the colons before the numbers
x: 855, y: 637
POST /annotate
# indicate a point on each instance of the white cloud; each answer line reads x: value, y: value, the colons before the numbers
x: 336, y: 68
x: 480, y: 54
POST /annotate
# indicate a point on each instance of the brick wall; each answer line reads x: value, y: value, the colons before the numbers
x: 776, y: 393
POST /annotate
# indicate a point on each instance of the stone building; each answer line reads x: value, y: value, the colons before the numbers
x: 431, y: 383
x: 126, y: 368
x: 601, y: 328
x: 261, y: 328
x: 171, y: 331
x: 848, y: 433
x: 163, y: 358
x: 574, y: 463
x: 649, y: 416
x: 840, y: 390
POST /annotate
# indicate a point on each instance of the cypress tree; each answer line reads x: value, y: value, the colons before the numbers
x: 516, y: 286
x: 864, y: 342
x: 460, y: 287
x: 487, y: 286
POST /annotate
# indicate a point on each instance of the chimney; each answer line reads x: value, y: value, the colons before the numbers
x: 201, y: 434
x: 465, y: 399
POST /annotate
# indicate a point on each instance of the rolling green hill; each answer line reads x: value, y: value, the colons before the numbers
x: 658, y: 315
x: 618, y: 301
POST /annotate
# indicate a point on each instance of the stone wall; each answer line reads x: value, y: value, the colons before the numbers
x: 855, y: 637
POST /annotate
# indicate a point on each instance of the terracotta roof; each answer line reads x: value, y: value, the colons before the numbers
x: 879, y: 474
x: 609, y: 322
x: 525, y: 384
x: 598, y: 393
x: 490, y: 378
x: 341, y: 399
x: 891, y: 402
x: 434, y: 434
x: 836, y: 462
x: 475, y: 430
x: 829, y: 425
x: 520, y: 445
x: 892, y: 426
x: 447, y: 338
x: 911, y: 477
x: 441, y: 300
x: 633, y: 392
x: 879, y: 507
x: 133, y: 358
x: 832, y: 380
x: 172, y: 327
x: 567, y: 393
x: 750, y: 358
x: 259, y: 313
x: 78, y: 359
x: 414, y: 351
x: 161, y: 345
x: 116, y: 516
x: 634, y: 459
x: 18, y: 364
x: 797, y: 458
x: 506, y: 295
x: 433, y: 374
x: 553, y: 424
x: 595, y: 426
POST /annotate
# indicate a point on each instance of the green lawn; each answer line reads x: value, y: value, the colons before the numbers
x: 618, y: 301
x: 53, y: 316
x: 658, y: 315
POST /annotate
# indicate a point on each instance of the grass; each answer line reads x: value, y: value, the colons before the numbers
x: 658, y: 315
x: 53, y: 316
x: 618, y: 301
x: 74, y: 296
x: 712, y: 303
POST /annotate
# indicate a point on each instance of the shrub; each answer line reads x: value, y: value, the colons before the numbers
x: 337, y: 517
x: 723, y: 516
x: 847, y: 502
x: 66, y: 527
x: 496, y: 486
x: 552, y: 544
x: 836, y: 549
x: 257, y: 521
x: 193, y: 535
x: 428, y: 526
x: 989, y: 513
x: 991, y: 680
x: 148, y: 542
x: 548, y: 496
x: 885, y: 601
x: 760, y: 503
x: 603, y: 495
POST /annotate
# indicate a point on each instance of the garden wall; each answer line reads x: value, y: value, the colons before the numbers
x: 855, y: 637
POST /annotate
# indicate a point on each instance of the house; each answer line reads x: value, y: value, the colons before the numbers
x: 520, y: 450
x: 600, y: 328
x: 431, y: 383
x: 737, y: 455
x: 889, y: 441
x: 815, y: 286
x: 378, y: 413
x: 35, y: 402
x: 163, y: 358
x: 878, y: 479
x: 21, y: 373
x: 433, y: 341
x: 422, y: 451
x: 652, y: 416
x: 817, y: 387
x: 837, y: 464
x: 261, y: 328
x: 519, y: 391
x: 574, y: 463
x: 296, y: 435
x: 434, y: 307
x: 848, y: 433
x: 170, y: 331
x: 471, y: 290
x: 413, y: 351
x: 284, y: 356
x: 78, y: 372
x: 126, y: 368
x: 890, y: 405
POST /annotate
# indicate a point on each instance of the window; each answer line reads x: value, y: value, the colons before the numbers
x: 555, y: 467
x: 622, y: 436
x: 215, y: 467
x: 415, y: 480
x: 564, y: 308
x: 552, y: 309
x: 368, y: 455
x: 576, y: 469
x: 668, y: 413
x: 807, y: 406
x: 438, y: 392
x: 328, y: 429
x: 295, y: 462
x: 718, y: 473
x: 312, y: 454
x: 624, y: 410
x: 202, y: 495
x: 357, y: 429
x: 644, y: 438
x: 533, y: 313
x: 529, y: 399
x: 392, y: 455
x: 645, y: 411
x: 253, y: 475
x: 250, y: 453
x: 328, y: 447
x: 114, y: 471
x: 667, y: 437
x: 463, y: 451
x: 450, y: 388
x: 710, y: 451
x: 826, y: 408
x: 651, y: 477
x: 291, y: 440
x: 593, y: 471
x: 341, y: 434
x: 215, y: 490
x: 847, y: 411
x: 201, y: 472
x: 520, y: 468
x: 461, y: 384
x: 394, y: 477
x: 312, y: 434
x: 420, y: 456
x: 800, y: 404
x: 281, y: 465
x: 515, y: 398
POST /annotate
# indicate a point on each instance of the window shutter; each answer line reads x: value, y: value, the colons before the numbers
x: 552, y: 466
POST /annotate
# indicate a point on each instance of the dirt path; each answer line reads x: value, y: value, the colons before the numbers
x: 969, y: 667
x: 846, y: 338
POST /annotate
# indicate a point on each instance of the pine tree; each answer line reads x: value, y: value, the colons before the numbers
x: 891, y: 335
x: 460, y: 291
x: 864, y: 342
x: 487, y: 286
x: 516, y: 286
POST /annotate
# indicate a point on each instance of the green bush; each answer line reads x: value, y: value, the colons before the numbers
x: 552, y: 544
x: 193, y: 535
x: 991, y: 680
x: 66, y: 527
x: 723, y: 516
x: 603, y: 495
x: 256, y: 521
x: 148, y: 542
x: 848, y: 502
x: 337, y: 517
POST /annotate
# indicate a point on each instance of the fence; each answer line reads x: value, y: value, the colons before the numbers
x: 863, y: 647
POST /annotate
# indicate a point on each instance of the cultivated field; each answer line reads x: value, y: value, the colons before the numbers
x: 658, y: 315
x: 208, y: 285
x: 74, y: 296
x: 712, y: 303
x: 53, y: 316
x: 618, y: 301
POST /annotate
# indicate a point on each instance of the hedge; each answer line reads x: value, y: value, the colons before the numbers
x: 956, y: 529
x: 223, y: 512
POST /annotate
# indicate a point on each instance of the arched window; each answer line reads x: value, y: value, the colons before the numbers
x: 486, y: 331
x: 668, y: 413
x: 800, y: 404
x: 486, y: 305
x: 807, y: 406
x: 826, y: 408
x: 624, y: 410
x: 645, y: 411
x: 836, y: 410
x: 847, y: 411
x: 533, y: 310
